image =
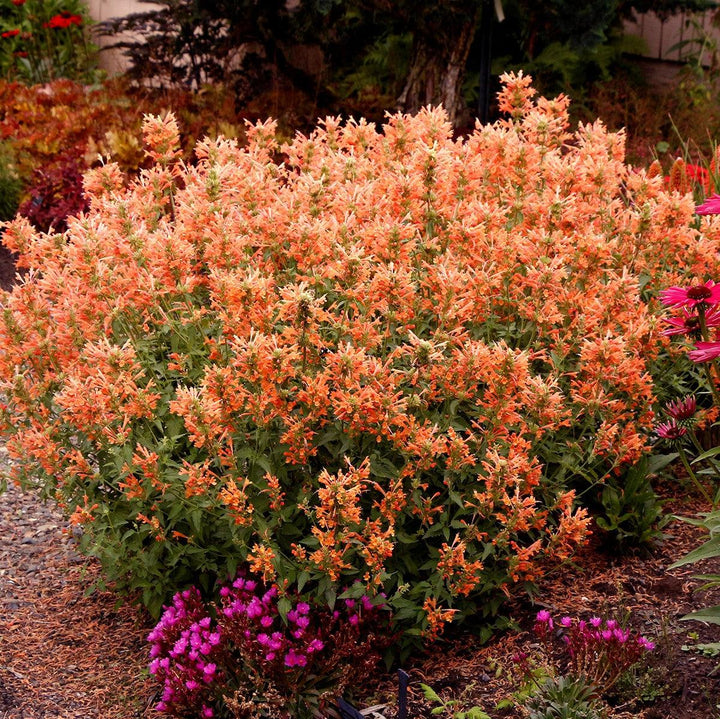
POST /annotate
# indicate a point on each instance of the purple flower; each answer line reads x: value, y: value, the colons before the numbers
x: 292, y: 659
x: 646, y: 644
x: 565, y: 622
x: 543, y: 617
x: 367, y: 603
x: 595, y: 622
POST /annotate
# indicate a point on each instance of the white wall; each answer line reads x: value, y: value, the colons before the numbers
x: 112, y: 60
x: 662, y: 37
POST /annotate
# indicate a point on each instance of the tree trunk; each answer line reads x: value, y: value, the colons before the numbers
x: 437, y: 69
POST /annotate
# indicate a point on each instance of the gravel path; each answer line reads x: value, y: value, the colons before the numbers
x: 63, y: 655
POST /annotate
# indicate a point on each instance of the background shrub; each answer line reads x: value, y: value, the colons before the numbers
x: 389, y: 362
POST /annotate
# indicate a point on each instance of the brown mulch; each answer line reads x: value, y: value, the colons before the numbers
x: 63, y: 655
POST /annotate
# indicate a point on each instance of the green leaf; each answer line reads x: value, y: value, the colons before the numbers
x: 284, y: 605
x: 302, y: 580
x: 710, y: 615
x: 473, y: 713
x: 430, y: 694
x: 710, y: 549
x: 706, y: 455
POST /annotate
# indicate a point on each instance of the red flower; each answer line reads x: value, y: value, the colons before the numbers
x: 64, y: 20
x: 18, y: 2
x: 697, y: 173
x: 11, y: 33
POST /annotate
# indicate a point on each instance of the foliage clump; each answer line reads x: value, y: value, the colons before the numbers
x: 389, y: 362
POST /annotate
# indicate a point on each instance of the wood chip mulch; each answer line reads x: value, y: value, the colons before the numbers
x: 63, y: 655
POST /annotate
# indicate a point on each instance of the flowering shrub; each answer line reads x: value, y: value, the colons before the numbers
x: 246, y: 658
x: 392, y: 358
x: 42, y: 40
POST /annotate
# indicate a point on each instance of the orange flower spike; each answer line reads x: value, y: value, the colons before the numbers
x: 162, y: 138
x: 236, y: 500
x: 274, y: 492
x: 262, y: 561
x: 460, y: 575
x: 678, y: 180
x: 199, y: 478
x: 84, y: 514
x: 132, y: 486
x: 436, y: 618
x: 515, y: 97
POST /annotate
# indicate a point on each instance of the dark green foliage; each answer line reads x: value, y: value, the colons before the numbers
x: 631, y: 513
x: 10, y: 185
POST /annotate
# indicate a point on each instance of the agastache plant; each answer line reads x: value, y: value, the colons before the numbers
x: 259, y: 649
x: 600, y: 651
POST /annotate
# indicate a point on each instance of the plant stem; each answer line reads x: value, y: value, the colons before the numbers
x: 688, y: 469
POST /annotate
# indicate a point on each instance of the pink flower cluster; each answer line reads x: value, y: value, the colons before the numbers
x: 601, y: 651
x: 200, y: 653
x: 700, y: 313
x: 186, y: 646
x: 254, y: 623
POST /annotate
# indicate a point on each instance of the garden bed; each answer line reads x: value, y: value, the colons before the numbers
x: 71, y: 656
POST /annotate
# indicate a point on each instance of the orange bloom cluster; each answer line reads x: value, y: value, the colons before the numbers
x: 364, y: 362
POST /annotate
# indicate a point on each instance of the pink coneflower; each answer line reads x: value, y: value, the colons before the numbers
x: 711, y: 206
x: 670, y: 430
x: 705, y: 352
x: 690, y: 322
x: 682, y: 409
x: 706, y: 294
